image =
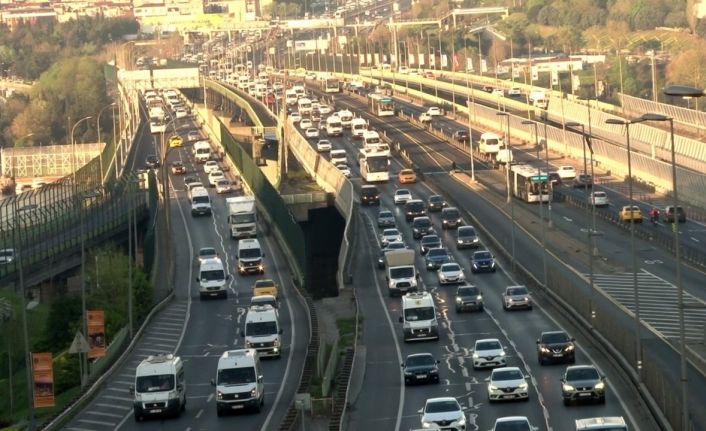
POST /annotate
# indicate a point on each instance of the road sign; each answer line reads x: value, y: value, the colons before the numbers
x: 79, y: 345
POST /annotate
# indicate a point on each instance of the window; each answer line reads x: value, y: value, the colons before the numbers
x: 155, y: 383
x: 419, y: 314
x: 254, y: 329
x: 236, y: 376
x: 213, y: 275
x: 250, y: 253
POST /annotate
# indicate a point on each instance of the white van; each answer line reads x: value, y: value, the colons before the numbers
x: 338, y: 156
x: 243, y: 81
x: 290, y: 97
x: 419, y: 317
x: 489, y: 143
x: 212, y: 278
x: 609, y: 423
x: 358, y: 126
x: 160, y: 387
x: 262, y: 331
x: 239, y: 381
x: 504, y: 156
x: 346, y: 117
x: 371, y: 139
x: 334, y: 126
x: 200, y: 201
x: 300, y: 90
x: 250, y: 257
x: 304, y: 106
x: 201, y: 151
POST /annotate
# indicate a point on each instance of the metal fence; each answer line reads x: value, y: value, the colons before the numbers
x: 689, y: 120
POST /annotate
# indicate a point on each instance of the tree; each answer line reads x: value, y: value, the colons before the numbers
x: 689, y: 67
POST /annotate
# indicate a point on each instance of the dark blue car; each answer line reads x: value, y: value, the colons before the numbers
x: 482, y: 261
x: 436, y: 257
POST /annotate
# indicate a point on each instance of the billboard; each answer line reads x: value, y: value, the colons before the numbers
x: 96, y: 333
x: 43, y: 380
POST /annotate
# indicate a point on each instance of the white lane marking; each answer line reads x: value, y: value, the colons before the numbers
x: 292, y: 342
x: 400, y: 406
x: 198, y: 415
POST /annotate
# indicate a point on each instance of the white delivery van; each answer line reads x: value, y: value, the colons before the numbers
x: 338, y: 156
x: 609, y: 423
x: 243, y: 81
x: 334, y: 126
x: 200, y: 201
x: 160, y: 387
x: 239, y: 381
x: 304, y: 106
x: 346, y: 117
x: 201, y: 151
x: 290, y: 97
x: 358, y: 126
x: 250, y: 257
x: 419, y: 317
x: 262, y: 330
x: 504, y: 156
x: 212, y: 278
x: 371, y: 139
x: 299, y: 89
x: 489, y: 143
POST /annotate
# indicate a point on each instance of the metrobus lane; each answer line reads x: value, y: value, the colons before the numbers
x: 517, y: 331
x: 216, y: 325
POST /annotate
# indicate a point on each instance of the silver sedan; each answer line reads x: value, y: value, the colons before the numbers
x: 451, y: 273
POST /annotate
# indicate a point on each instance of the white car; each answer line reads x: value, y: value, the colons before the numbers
x: 390, y: 235
x: 193, y: 136
x: 425, y: 117
x: 497, y: 92
x: 311, y: 132
x: 513, y: 423
x: 295, y: 116
x: 310, y: 75
x: 514, y: 92
x: 403, y: 70
x: 600, y: 199
x: 224, y: 186
x: 215, y: 176
x: 306, y: 123
x: 345, y: 170
x: 324, y: 109
x: 451, y: 273
x: 566, y: 172
x: 209, y: 166
x: 434, y: 111
x: 402, y: 196
x: 181, y: 113
x: 323, y: 145
x: 488, y: 353
x: 507, y: 383
x: 443, y: 413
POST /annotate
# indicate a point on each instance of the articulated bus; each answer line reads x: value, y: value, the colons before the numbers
x: 374, y: 165
x: 382, y: 106
x: 331, y: 85
x: 529, y: 184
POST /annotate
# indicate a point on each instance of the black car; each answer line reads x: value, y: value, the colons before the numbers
x: 436, y: 203
x: 420, y: 368
x: 466, y: 237
x: 436, y: 257
x: 152, y: 161
x: 461, y: 136
x: 414, y: 208
x: 556, y: 346
x: 482, y: 261
x: 554, y: 178
x: 369, y: 195
x: 422, y: 226
x: 669, y: 214
x: 428, y: 242
x: 451, y: 218
x: 468, y: 298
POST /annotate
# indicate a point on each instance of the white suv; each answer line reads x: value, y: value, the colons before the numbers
x: 488, y: 353
x: 507, y: 383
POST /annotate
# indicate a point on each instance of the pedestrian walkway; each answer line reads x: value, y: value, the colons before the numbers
x: 658, y: 303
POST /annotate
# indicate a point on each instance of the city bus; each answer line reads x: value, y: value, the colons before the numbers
x: 331, y: 85
x: 529, y: 184
x: 382, y: 106
x: 374, y: 165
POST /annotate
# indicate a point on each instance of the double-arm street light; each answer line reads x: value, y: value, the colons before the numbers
x: 636, y: 295
x: 98, y: 128
x: 541, y: 198
x: 508, y: 165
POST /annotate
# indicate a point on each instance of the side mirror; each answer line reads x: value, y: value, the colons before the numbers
x: 180, y: 388
x: 437, y: 362
x: 227, y: 277
x: 401, y: 320
x: 538, y: 341
x: 213, y: 382
x: 236, y: 257
x: 259, y: 379
x: 197, y: 279
x: 420, y: 411
x: 280, y: 331
x: 263, y: 255
x: 573, y: 339
x: 131, y: 389
x: 402, y: 365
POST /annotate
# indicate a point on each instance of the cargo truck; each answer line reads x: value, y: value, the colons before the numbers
x: 401, y: 273
x: 242, y: 216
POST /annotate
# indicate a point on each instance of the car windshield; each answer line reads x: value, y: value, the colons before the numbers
x: 260, y: 329
x: 506, y: 375
x: 385, y: 214
x: 242, y: 218
x: 515, y: 291
x: 582, y: 374
x: 249, y: 253
x: 415, y: 206
x: 402, y: 192
x: 555, y: 337
x: 482, y: 255
x: 518, y: 425
x: 207, y: 252
x: 599, y: 194
x: 467, y: 291
x: 453, y: 213
x: 224, y: 183
x: 213, y: 275
x: 488, y: 345
x: 7, y: 253
x: 418, y: 313
x: 390, y: 232
x: 402, y: 272
x: 200, y: 199
x: 236, y: 376
x: 395, y: 245
x: 450, y: 267
x: 419, y: 360
x: 442, y: 406
x: 155, y: 383
x: 437, y: 252
x: 436, y: 199
x: 466, y: 233
x: 422, y: 223
x: 430, y: 239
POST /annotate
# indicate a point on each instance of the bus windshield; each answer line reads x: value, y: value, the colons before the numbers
x: 377, y: 164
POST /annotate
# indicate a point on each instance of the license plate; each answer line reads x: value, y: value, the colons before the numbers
x: 156, y: 411
x: 214, y: 294
x: 585, y: 394
x: 508, y: 396
x: 421, y: 376
x: 558, y: 355
x: 236, y: 406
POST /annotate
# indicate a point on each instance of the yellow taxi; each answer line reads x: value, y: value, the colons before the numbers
x: 628, y: 214
x: 407, y: 176
x: 176, y: 141
x: 265, y: 286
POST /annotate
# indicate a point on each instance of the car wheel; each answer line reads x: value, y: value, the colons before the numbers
x: 480, y: 309
x: 601, y: 400
x: 490, y: 400
x: 567, y: 402
x: 458, y: 310
x: 137, y: 415
x: 219, y: 412
x: 540, y: 360
x: 526, y: 399
x: 493, y: 270
x: 201, y: 296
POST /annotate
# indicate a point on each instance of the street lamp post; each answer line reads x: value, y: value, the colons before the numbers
x: 470, y: 141
x: 546, y: 160
x: 73, y: 146
x: 98, y: 128
x: 636, y: 295
x: 541, y: 199
x: 509, y: 193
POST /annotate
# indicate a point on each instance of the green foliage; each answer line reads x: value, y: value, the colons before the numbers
x: 62, y: 323
x: 66, y: 372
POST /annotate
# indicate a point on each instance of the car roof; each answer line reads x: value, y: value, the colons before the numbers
x: 416, y: 355
x: 488, y: 340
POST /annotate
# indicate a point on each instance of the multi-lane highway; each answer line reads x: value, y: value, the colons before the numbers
x: 201, y: 330
x: 384, y: 402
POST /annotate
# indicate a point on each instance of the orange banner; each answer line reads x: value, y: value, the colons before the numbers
x: 43, y: 377
x: 96, y: 333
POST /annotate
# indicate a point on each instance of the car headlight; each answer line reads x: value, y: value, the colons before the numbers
x: 459, y: 299
x: 253, y: 392
x: 248, y: 344
x: 219, y: 395
x: 523, y: 386
x: 407, y: 373
x: 544, y: 349
x: 502, y: 354
x: 567, y: 388
x: 570, y: 347
x: 460, y: 241
x: 479, y: 297
x: 492, y: 388
x: 475, y: 240
x: 426, y: 424
x: 526, y: 298
x: 434, y: 371
x: 462, y: 419
x: 475, y: 265
x: 600, y: 386
x: 276, y: 343
x: 458, y: 221
x: 173, y: 394
x: 476, y: 356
